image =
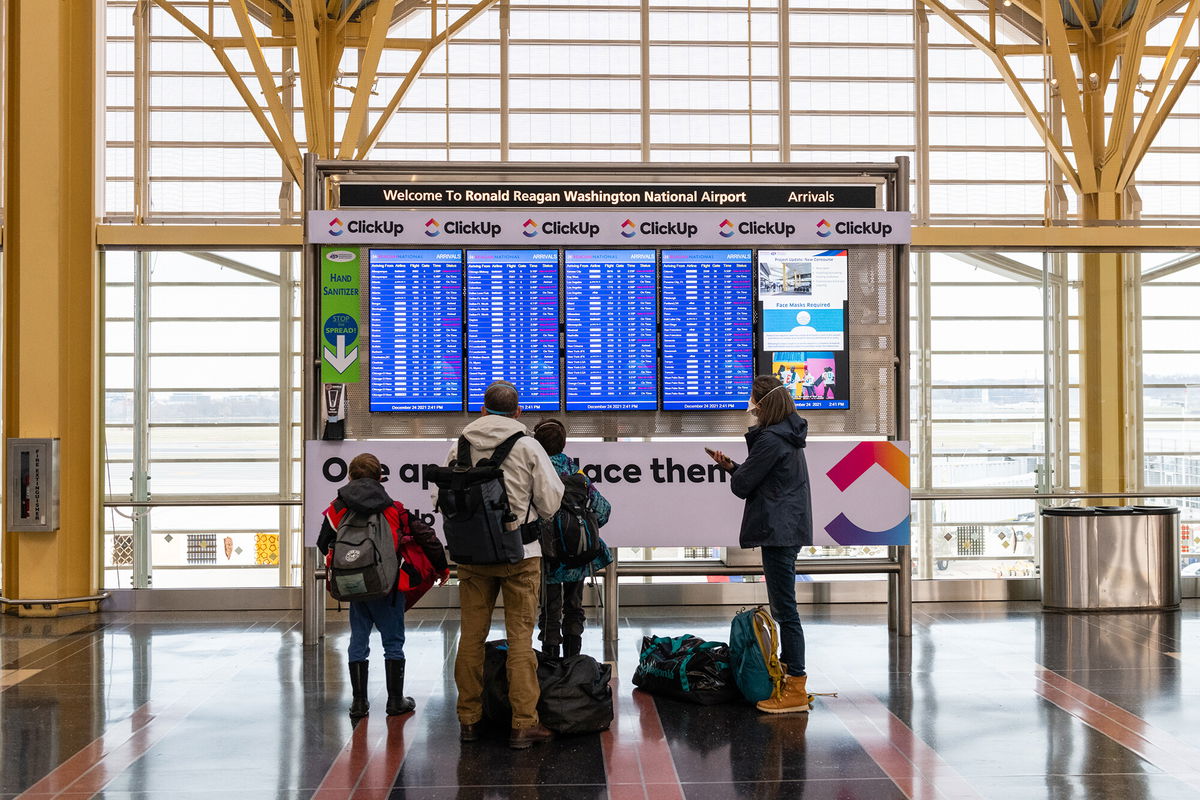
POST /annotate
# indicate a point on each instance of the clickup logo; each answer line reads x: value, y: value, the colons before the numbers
x: 858, y: 464
x: 725, y: 229
x: 628, y: 229
x: 335, y: 227
x: 823, y: 228
x: 530, y: 228
x: 432, y: 228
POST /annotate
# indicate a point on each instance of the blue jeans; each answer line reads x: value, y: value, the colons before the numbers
x: 381, y: 613
x: 779, y: 569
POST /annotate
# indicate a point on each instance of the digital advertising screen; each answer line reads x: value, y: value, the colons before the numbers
x: 611, y: 305
x: 416, y: 330
x: 804, y: 296
x: 707, y: 329
x: 512, y: 325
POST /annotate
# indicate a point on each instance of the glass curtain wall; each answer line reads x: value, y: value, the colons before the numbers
x: 1168, y: 294
x: 994, y: 398
x: 201, y: 404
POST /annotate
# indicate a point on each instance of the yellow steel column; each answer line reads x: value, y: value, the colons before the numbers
x: 1105, y: 371
x: 50, y: 360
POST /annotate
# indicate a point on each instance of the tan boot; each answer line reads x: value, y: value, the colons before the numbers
x: 792, y: 699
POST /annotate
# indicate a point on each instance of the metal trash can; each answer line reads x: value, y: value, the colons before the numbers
x: 1110, y: 557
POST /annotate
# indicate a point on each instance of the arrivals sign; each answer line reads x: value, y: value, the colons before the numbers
x: 663, y: 494
x: 451, y: 226
x: 518, y: 195
x: 340, y: 310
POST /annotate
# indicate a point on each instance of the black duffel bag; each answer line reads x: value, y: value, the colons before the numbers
x: 576, y: 696
x: 686, y: 668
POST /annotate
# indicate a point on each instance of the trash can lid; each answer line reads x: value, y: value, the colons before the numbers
x: 1166, y: 510
x: 1100, y: 511
x: 1069, y: 511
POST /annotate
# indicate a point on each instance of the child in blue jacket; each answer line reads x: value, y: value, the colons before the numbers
x: 561, y: 620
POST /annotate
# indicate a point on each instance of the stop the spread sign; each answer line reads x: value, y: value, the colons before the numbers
x: 340, y: 270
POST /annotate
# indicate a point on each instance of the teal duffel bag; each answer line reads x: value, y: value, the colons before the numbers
x: 686, y: 668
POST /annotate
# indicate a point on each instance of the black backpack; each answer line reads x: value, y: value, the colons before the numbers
x: 572, y: 536
x: 480, y: 527
x: 362, y: 561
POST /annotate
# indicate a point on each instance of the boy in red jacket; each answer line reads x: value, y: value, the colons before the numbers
x: 365, y: 494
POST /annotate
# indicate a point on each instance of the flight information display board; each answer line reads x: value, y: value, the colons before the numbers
x: 707, y: 329
x: 611, y: 299
x: 805, y: 305
x: 512, y: 325
x: 416, y: 330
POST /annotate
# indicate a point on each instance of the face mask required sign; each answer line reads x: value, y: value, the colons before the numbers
x: 538, y: 227
x: 663, y: 494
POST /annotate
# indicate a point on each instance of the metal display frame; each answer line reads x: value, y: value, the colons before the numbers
x: 323, y: 179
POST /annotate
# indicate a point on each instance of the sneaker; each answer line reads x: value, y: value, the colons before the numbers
x: 792, y: 699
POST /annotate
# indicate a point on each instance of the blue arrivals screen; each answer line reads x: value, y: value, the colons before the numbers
x: 512, y: 325
x: 612, y: 314
x: 708, y: 329
x: 416, y: 330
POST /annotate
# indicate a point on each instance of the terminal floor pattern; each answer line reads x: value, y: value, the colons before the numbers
x: 987, y: 701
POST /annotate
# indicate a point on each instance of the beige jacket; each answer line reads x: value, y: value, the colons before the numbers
x: 534, y: 488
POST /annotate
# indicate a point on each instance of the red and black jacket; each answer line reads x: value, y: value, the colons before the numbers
x: 367, y: 496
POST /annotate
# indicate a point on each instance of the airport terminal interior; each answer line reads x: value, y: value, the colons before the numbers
x: 245, y: 241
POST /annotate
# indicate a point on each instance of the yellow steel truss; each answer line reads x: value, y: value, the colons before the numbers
x: 319, y: 31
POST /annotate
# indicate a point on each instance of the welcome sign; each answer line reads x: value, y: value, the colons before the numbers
x: 663, y: 494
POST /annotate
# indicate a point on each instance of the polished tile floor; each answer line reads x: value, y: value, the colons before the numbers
x: 986, y: 701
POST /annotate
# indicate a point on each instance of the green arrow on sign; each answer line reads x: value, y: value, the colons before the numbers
x: 340, y: 310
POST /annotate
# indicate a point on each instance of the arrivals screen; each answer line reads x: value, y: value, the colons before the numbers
x: 611, y: 302
x: 707, y: 329
x: 512, y: 325
x: 805, y: 303
x: 416, y: 330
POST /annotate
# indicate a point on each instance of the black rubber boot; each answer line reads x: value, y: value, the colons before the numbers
x: 397, y: 703
x: 572, y: 645
x: 358, y: 688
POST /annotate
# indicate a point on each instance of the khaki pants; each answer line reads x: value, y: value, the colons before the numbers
x: 478, y: 587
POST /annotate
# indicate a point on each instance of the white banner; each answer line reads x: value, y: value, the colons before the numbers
x: 537, y: 227
x: 664, y: 494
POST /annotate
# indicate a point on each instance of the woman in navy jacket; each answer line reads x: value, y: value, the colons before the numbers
x: 773, y: 481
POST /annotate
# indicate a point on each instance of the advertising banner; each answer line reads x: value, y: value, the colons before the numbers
x: 537, y: 227
x: 663, y: 494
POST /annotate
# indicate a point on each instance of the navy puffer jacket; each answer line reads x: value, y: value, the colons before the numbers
x: 774, y: 483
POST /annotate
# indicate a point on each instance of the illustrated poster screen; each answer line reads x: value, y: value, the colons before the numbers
x: 416, y: 330
x: 805, y: 305
x: 707, y: 329
x: 512, y: 325
x: 611, y: 305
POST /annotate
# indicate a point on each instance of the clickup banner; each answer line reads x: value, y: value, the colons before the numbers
x: 663, y: 494
x: 740, y: 227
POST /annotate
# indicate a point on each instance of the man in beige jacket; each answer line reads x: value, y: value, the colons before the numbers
x: 534, y: 491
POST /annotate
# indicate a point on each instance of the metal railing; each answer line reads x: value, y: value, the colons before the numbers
x: 898, y: 566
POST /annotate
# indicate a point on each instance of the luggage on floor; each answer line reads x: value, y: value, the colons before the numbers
x: 576, y: 697
x: 686, y: 668
x: 754, y: 654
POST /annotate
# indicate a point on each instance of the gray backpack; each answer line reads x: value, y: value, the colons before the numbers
x: 363, y: 563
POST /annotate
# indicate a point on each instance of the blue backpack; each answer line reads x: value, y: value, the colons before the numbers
x: 753, y: 654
